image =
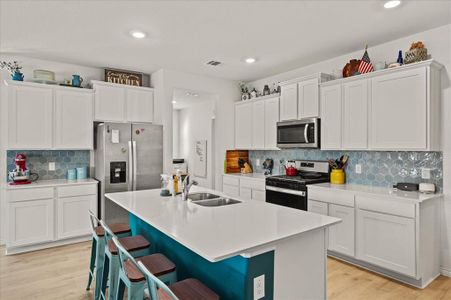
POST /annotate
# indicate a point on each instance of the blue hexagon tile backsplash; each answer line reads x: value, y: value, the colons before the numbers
x: 38, y: 161
x: 378, y: 168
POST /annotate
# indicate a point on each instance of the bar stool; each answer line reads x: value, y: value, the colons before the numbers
x: 188, y: 289
x: 134, y: 280
x: 98, y: 248
x: 137, y: 245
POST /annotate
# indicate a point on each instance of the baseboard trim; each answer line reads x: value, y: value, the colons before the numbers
x: 29, y: 248
x: 445, y: 272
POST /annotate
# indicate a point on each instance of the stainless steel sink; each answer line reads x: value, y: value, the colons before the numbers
x: 216, y: 202
x: 202, y: 196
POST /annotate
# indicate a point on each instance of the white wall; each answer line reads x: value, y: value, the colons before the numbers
x: 165, y: 81
x: 438, y: 42
x: 176, y: 133
x: 195, y: 124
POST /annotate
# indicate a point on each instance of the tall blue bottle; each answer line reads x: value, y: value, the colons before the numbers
x: 400, y: 59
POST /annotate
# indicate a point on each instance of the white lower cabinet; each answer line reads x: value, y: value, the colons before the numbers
x: 387, y: 241
x: 244, y: 187
x: 317, y: 207
x: 30, y: 222
x: 73, y: 217
x: 41, y: 216
x: 342, y: 235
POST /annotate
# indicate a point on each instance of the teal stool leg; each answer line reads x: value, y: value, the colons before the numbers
x: 136, y: 291
x: 99, y: 265
x: 113, y: 278
x: 104, y: 277
x: 120, y: 289
x: 92, y: 262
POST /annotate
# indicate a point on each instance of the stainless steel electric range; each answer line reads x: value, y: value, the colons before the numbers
x: 291, y: 191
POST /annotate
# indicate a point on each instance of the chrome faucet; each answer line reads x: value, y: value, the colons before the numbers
x: 186, y: 187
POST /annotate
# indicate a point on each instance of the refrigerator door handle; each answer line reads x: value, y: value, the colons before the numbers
x: 135, y: 158
x: 130, y: 167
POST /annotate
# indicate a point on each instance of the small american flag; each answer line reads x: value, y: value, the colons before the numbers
x: 365, y: 65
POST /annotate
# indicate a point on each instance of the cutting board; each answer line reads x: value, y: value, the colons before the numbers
x: 232, y: 157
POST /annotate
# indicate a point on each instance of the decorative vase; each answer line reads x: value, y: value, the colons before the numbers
x: 17, y: 76
x: 337, y: 176
x: 76, y: 80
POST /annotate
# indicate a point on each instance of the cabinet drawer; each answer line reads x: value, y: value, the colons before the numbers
x: 231, y: 190
x: 77, y: 190
x: 245, y: 193
x: 317, y: 207
x: 332, y: 196
x: 259, y: 195
x: 387, y: 206
x: 254, y: 184
x: 229, y: 180
x: 30, y: 194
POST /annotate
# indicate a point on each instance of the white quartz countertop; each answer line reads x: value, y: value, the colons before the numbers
x: 377, y: 191
x: 217, y: 233
x: 50, y: 183
x: 249, y: 175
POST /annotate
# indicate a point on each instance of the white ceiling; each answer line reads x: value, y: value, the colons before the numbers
x: 184, y: 35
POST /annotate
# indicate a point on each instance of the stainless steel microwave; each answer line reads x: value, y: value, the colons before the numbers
x: 304, y: 133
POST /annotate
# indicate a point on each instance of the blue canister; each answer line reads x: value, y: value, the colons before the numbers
x: 76, y: 80
x: 16, y: 75
x: 82, y: 173
x: 71, y: 174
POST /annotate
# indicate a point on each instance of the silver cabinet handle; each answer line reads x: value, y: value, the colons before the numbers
x: 306, y: 133
x: 134, y: 165
x: 130, y: 165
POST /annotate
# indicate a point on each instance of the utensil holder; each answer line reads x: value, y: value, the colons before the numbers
x: 337, y: 176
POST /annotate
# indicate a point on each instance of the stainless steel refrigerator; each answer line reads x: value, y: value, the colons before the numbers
x: 127, y: 157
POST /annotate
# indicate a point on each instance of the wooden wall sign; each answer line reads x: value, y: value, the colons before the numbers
x: 122, y: 77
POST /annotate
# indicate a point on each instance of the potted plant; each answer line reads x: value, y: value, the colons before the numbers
x: 13, y: 69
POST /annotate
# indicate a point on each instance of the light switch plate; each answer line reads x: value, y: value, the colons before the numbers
x: 259, y: 287
x: 425, y: 173
x: 358, y: 169
x: 52, y: 166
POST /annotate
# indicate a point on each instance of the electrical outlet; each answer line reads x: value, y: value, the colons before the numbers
x: 52, y: 166
x: 425, y: 173
x: 259, y: 287
x: 358, y: 169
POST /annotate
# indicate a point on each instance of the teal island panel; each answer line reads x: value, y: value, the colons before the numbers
x: 231, y: 278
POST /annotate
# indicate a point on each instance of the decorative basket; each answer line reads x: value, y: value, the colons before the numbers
x: 416, y: 55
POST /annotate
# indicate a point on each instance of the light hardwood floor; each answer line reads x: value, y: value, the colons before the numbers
x: 61, y: 273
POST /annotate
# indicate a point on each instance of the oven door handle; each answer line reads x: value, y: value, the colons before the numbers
x: 306, y: 133
x: 286, y: 191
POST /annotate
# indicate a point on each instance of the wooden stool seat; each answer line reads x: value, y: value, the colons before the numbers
x: 189, y: 289
x: 130, y: 243
x: 156, y: 263
x: 116, y: 228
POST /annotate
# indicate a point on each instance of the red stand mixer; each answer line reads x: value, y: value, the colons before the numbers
x: 21, y: 175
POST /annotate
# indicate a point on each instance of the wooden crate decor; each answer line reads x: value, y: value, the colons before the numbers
x: 123, y: 77
x: 232, y: 157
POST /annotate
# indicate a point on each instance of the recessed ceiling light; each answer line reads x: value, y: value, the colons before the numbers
x: 174, y: 102
x: 392, y: 4
x: 250, y: 60
x: 137, y: 34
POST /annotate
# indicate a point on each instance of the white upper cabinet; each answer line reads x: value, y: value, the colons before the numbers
x: 30, y: 116
x: 331, y: 117
x: 399, y: 109
x: 258, y: 125
x: 271, y: 119
x: 73, y: 119
x: 109, y: 102
x: 308, y: 99
x: 139, y: 103
x: 355, y: 115
x: 394, y: 110
x: 122, y: 103
x: 243, y: 125
x: 289, y: 102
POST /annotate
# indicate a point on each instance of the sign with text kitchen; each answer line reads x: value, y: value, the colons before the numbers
x: 122, y: 77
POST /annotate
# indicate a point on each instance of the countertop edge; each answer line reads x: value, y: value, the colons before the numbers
x: 50, y: 183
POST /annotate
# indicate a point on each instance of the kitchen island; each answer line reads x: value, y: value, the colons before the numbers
x: 227, y: 247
